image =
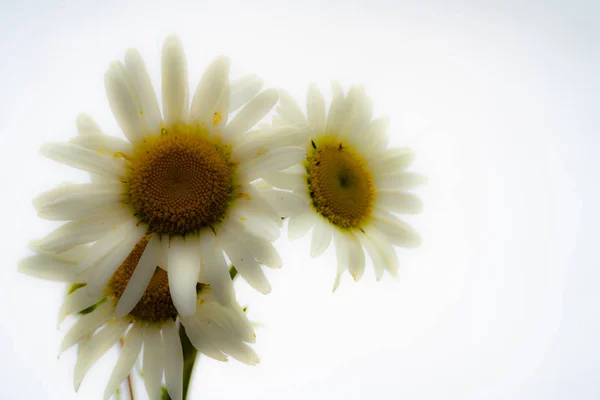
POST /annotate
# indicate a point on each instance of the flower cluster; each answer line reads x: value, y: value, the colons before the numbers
x: 193, y: 195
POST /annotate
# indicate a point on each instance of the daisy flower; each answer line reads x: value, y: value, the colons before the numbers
x: 216, y: 330
x: 180, y: 186
x: 350, y: 185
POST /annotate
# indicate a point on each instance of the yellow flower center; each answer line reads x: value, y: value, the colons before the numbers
x: 341, y: 187
x: 156, y: 304
x: 181, y: 181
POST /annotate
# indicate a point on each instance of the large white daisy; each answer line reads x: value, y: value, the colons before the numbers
x: 179, y: 186
x: 350, y: 186
x: 216, y: 330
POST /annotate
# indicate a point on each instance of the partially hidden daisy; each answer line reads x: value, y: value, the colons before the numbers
x: 179, y: 188
x: 350, y: 186
x: 216, y: 330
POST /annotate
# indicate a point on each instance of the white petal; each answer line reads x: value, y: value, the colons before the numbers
x: 85, y: 230
x: 147, y: 96
x: 341, y: 252
x: 257, y: 204
x: 275, y: 160
x: 285, y: 180
x: 91, y: 350
x: 356, y: 256
x: 45, y: 267
x: 152, y: 362
x: 200, y: 340
x: 386, y: 250
x: 262, y: 250
x: 139, y: 279
x: 214, y: 267
x: 211, y: 88
x: 243, y: 90
x: 398, y: 232
x: 174, y: 81
x: 255, y: 223
x: 86, y: 325
x: 400, y: 202
x: 173, y: 361
x: 253, y: 112
x: 391, y: 161
x: 81, y: 158
x: 289, y: 109
x: 93, y: 199
x: 228, y: 343
x: 336, y: 110
x: 183, y: 257
x: 230, y: 317
x: 321, y: 237
x: 72, y: 256
x: 299, y: 224
x: 79, y: 300
x: 401, y: 181
x: 243, y: 261
x: 353, y: 111
x: 86, y: 126
x: 378, y: 135
x: 132, y: 344
x: 286, y: 204
x: 103, y: 144
x: 374, y: 254
x: 98, y: 276
x: 253, y: 145
x: 124, y: 102
x: 315, y: 108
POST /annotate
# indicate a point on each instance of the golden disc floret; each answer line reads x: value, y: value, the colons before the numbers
x: 340, y: 185
x: 181, y: 181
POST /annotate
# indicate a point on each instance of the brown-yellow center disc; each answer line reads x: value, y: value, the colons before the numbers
x: 180, y: 183
x: 156, y: 304
x: 341, y: 187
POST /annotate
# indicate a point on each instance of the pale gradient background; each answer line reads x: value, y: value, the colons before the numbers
x: 500, y: 101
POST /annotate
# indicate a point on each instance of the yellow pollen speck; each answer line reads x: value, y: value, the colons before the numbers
x: 216, y: 119
x: 245, y: 196
x: 141, y: 112
x: 340, y: 185
x: 122, y: 155
x: 181, y: 181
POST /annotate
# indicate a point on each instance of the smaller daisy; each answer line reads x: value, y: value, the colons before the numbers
x: 216, y: 330
x: 350, y: 186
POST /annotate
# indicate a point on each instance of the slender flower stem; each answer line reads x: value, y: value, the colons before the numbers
x: 129, y: 381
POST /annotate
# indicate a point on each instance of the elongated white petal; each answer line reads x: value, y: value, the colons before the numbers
x: 44, y: 267
x: 173, y: 361
x: 72, y: 256
x: 336, y: 110
x: 201, y: 341
x: 378, y: 135
x: 299, y: 224
x: 341, y: 252
x: 81, y: 158
x: 286, y: 180
x: 402, y: 181
x: 183, y: 257
x: 356, y: 256
x: 256, y: 144
x: 243, y: 261
x: 79, y: 300
x: 256, y: 223
x: 398, y: 232
x: 124, y: 102
x: 86, y: 325
x: 243, y: 90
x: 275, y: 160
x: 253, y: 112
x: 289, y: 109
x: 262, y: 250
x: 214, y: 267
x: 132, y: 345
x: 315, y: 108
x: 91, y: 350
x: 92, y: 200
x: 286, y: 204
x: 386, y: 250
x: 392, y: 161
x: 139, y: 279
x: 85, y: 230
x: 228, y: 343
x: 230, y: 317
x: 174, y: 81
x: 210, y: 89
x: 86, y: 126
x: 321, y: 237
x: 147, y: 96
x: 98, y: 276
x: 103, y: 144
x: 258, y: 204
x: 400, y: 202
x: 374, y: 254
x: 107, y: 243
x: 152, y: 362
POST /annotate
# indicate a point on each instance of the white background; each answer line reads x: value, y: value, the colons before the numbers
x: 500, y: 101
